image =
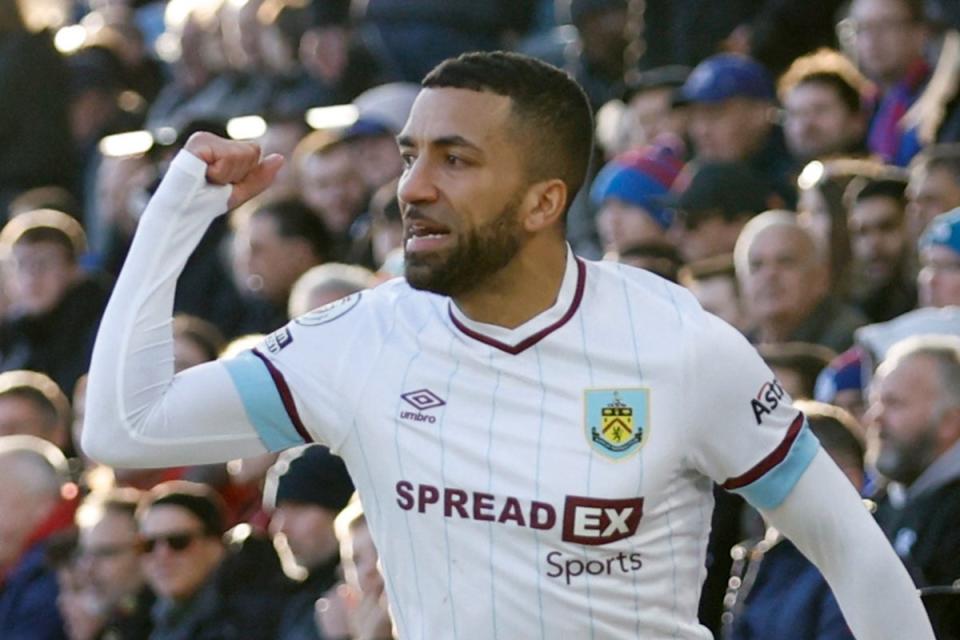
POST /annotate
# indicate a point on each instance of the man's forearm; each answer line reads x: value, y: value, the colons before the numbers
x: 827, y: 521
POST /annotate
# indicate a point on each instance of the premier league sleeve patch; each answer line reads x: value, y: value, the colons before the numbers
x: 617, y: 421
x: 329, y: 312
x: 276, y: 341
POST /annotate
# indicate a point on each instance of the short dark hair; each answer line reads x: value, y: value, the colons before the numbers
x: 837, y: 430
x: 39, y: 390
x: 546, y: 101
x: 828, y: 68
x: 867, y: 188
x: 805, y: 359
x: 200, y: 500
x: 294, y: 219
x: 201, y: 333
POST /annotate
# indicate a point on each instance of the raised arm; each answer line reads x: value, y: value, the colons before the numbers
x: 826, y: 520
x: 139, y: 413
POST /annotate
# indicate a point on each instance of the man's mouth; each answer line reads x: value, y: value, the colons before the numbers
x: 425, y: 235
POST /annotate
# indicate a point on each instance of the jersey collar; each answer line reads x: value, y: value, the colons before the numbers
x: 518, y: 339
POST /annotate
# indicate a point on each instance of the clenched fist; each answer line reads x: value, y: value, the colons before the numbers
x: 235, y: 163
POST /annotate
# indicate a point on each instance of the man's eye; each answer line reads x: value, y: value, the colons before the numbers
x: 455, y: 161
x: 407, y: 159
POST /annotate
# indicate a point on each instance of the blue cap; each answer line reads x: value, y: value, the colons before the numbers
x: 943, y: 231
x: 642, y: 178
x: 726, y: 76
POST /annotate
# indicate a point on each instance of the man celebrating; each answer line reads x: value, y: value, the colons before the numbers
x: 533, y: 436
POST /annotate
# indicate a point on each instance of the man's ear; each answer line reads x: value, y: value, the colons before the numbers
x: 544, y: 204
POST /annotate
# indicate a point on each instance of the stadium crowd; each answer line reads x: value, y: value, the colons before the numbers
x: 795, y: 165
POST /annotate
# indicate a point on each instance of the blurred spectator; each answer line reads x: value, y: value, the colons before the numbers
x: 732, y: 119
x: 366, y: 608
x: 325, y: 283
x: 308, y: 487
x: 841, y: 383
x: 934, y: 186
x: 796, y: 365
x: 939, y: 277
x: 776, y: 591
x: 35, y: 148
x: 882, y: 285
x: 598, y: 60
x: 331, y: 185
x: 713, y: 281
x: 54, y: 307
x: 650, y: 111
x: 782, y: 30
x: 936, y: 114
x: 204, y: 590
x: 656, y: 256
x: 410, y: 37
x: 195, y: 341
x: 630, y: 193
x: 31, y: 404
x: 822, y: 97
x: 386, y: 226
x: 785, y: 285
x: 887, y: 39
x: 36, y: 502
x: 915, y: 406
x: 282, y: 136
x: 715, y: 204
x: 275, y: 242
x: 108, y: 566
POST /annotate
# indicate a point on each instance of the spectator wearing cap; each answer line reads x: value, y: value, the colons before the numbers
x: 883, y: 286
x: 934, y: 186
x: 54, y: 307
x: 309, y: 487
x: 718, y: 199
x: 888, y: 38
x: 841, y: 383
x: 939, y: 277
x: 205, y: 590
x: 650, y: 110
x: 731, y: 99
x: 630, y: 192
x: 822, y: 95
x: 785, y: 285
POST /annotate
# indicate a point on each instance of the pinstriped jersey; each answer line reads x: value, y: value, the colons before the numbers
x: 548, y: 481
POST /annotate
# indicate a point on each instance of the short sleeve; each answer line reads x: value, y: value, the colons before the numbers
x: 745, y: 433
x: 296, y: 384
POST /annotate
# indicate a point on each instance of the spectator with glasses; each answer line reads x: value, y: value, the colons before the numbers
x: 195, y: 574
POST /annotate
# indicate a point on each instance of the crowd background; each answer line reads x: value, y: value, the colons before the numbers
x: 796, y: 165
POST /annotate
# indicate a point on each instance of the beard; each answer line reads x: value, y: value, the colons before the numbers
x: 904, y: 461
x: 475, y: 257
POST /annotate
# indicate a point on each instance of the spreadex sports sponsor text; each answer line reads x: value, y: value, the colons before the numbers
x: 585, y: 520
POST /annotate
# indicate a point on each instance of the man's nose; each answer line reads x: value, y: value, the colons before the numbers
x: 416, y: 183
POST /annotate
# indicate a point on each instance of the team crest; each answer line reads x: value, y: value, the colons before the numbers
x: 617, y: 420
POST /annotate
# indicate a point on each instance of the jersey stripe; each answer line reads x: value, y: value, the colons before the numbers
x: 286, y: 396
x: 767, y: 484
x: 262, y: 402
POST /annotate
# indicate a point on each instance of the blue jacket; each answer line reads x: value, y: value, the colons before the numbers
x: 28, y: 600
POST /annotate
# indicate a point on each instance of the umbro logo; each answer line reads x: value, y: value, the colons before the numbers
x: 421, y: 400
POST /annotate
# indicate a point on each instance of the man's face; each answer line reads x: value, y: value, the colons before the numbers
x: 461, y: 190
x: 308, y: 529
x: 40, y: 275
x: 332, y: 187
x: 818, y: 123
x: 177, y: 573
x: 21, y: 416
x: 267, y: 262
x: 651, y: 114
x: 886, y: 39
x: 878, y: 239
x: 902, y: 409
x: 364, y: 556
x: 784, y: 281
x: 110, y: 557
x: 938, y: 282
x: 621, y: 224
x: 20, y: 515
x: 377, y: 160
x: 728, y: 131
x: 706, y: 236
x: 718, y: 295
x: 929, y: 194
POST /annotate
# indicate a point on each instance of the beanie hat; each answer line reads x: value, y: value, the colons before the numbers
x: 943, y: 231
x: 641, y: 177
x: 312, y: 475
x: 844, y: 373
x: 200, y: 500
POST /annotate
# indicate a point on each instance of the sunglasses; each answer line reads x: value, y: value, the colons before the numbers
x: 173, y: 541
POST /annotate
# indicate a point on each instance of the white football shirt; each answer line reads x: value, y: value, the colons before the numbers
x: 549, y: 481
